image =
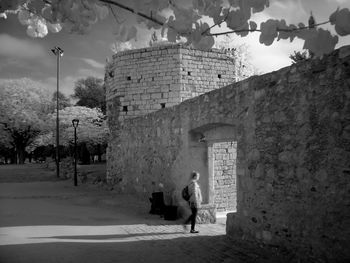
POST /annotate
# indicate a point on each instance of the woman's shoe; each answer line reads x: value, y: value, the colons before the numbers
x: 194, y: 231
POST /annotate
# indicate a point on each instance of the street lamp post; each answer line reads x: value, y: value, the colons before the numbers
x: 75, y: 123
x: 59, y: 53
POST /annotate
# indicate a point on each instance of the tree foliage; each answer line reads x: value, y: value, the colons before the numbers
x: 90, y: 93
x: 157, y: 41
x: 175, y: 21
x: 92, y: 127
x: 23, y: 112
x: 63, y: 100
x: 241, y: 57
x: 299, y: 56
x: 91, y: 130
x: 119, y: 46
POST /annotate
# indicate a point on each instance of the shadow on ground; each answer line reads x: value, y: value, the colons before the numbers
x: 184, y: 249
x: 91, y: 224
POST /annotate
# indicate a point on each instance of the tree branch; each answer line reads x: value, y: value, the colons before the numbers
x: 233, y: 31
x: 258, y: 30
x: 208, y: 29
x: 205, y: 32
x: 133, y: 11
x: 113, y: 13
x: 147, y: 17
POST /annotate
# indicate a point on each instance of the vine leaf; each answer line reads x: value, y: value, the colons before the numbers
x: 185, y: 21
x: 268, y: 32
x: 320, y: 41
x: 201, y: 42
x: 341, y: 20
x: 252, y: 25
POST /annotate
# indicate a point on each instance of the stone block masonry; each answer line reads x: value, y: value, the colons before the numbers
x: 146, y: 80
x: 225, y: 154
x: 292, y: 129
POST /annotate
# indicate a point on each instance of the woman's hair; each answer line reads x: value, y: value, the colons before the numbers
x: 194, y: 174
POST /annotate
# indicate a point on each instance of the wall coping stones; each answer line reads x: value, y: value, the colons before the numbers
x: 171, y: 48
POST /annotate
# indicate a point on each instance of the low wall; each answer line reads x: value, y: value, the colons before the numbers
x: 292, y: 129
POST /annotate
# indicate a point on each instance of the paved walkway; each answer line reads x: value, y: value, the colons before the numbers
x: 55, y: 222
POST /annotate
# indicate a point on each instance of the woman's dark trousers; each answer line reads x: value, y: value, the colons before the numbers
x: 192, y: 217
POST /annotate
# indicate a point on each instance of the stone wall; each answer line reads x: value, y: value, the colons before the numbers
x: 225, y: 154
x: 292, y: 129
x: 146, y: 80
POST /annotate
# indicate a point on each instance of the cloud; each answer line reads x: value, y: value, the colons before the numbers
x: 93, y: 63
x: 292, y: 11
x: 266, y: 58
x: 339, y: 2
x: 10, y: 63
x: 67, y: 83
x: 269, y: 58
x: 20, y: 48
x: 90, y: 73
x: 276, y: 56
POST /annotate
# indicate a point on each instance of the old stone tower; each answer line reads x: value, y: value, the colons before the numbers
x: 285, y: 134
x: 146, y: 80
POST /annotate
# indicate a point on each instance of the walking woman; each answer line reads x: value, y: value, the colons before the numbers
x: 194, y: 201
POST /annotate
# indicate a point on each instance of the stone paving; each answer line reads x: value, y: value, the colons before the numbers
x: 55, y: 222
x: 16, y: 235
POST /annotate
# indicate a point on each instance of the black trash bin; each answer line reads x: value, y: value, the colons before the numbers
x: 170, y: 212
x: 157, y: 203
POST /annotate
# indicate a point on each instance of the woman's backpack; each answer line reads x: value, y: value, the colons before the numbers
x: 185, y: 193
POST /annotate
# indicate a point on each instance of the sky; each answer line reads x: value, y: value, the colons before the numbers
x: 85, y: 55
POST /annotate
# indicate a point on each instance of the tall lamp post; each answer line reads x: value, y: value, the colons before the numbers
x: 75, y: 123
x: 59, y: 53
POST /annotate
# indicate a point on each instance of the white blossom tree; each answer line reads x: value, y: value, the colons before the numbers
x: 119, y: 46
x: 241, y: 57
x: 24, y: 105
x: 176, y: 21
x: 92, y: 128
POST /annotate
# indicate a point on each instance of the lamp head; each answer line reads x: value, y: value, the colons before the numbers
x: 202, y: 138
x: 75, y: 123
x: 57, y: 51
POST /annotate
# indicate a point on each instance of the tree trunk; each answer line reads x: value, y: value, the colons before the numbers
x: 21, y: 154
x: 99, y: 152
x: 13, y: 157
x: 85, y: 154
